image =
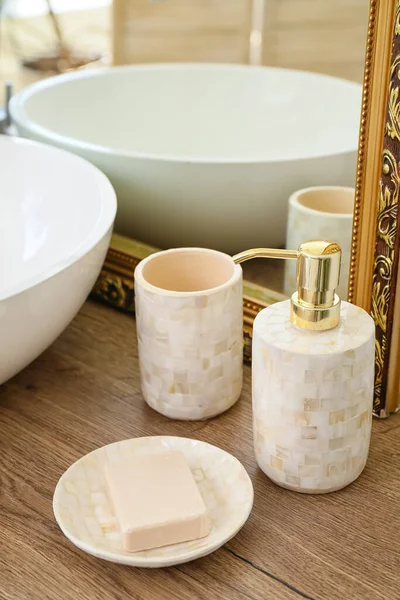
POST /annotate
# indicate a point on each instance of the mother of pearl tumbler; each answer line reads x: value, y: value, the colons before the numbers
x: 189, y: 315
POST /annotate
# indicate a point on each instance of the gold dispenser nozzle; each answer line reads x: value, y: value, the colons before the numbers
x: 315, y: 305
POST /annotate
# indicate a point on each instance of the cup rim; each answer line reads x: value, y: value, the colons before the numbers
x: 140, y: 280
x: 294, y: 200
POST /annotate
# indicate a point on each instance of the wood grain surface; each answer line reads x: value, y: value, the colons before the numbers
x: 84, y: 392
x: 326, y: 36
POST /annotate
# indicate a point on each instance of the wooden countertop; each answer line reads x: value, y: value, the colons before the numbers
x: 83, y: 393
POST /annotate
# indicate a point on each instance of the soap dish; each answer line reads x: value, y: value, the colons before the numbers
x: 85, y: 516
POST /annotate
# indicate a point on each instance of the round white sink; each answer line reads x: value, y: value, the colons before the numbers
x: 201, y: 154
x: 57, y: 212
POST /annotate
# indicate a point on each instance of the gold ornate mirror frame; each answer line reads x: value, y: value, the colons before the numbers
x: 374, y: 283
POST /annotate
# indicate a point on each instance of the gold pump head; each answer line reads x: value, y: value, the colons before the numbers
x: 315, y: 305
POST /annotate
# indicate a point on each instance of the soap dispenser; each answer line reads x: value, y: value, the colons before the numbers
x: 313, y: 378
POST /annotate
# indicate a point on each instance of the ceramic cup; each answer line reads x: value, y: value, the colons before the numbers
x: 323, y: 213
x: 189, y: 315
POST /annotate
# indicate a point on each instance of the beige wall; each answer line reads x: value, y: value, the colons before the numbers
x: 181, y: 30
x: 327, y: 36
x: 320, y: 35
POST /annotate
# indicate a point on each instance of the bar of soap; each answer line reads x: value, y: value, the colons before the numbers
x: 156, y: 500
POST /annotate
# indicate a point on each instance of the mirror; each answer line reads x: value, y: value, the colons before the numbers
x: 323, y: 37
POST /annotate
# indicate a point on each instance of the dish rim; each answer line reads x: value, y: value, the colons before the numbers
x: 144, y: 561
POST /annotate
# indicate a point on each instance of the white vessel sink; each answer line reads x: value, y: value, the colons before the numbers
x: 201, y: 154
x: 57, y: 212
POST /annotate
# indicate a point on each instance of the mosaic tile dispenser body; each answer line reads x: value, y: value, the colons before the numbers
x: 312, y: 399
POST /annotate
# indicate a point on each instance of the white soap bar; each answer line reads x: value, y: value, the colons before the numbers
x: 156, y: 500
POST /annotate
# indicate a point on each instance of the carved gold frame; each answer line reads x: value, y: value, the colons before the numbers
x: 373, y: 282
x: 374, y: 265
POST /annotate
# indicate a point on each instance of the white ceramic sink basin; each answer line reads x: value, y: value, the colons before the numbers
x: 202, y: 155
x: 56, y: 217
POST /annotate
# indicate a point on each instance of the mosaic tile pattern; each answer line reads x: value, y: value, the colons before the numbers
x: 191, y: 350
x: 85, y: 515
x: 312, y: 399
